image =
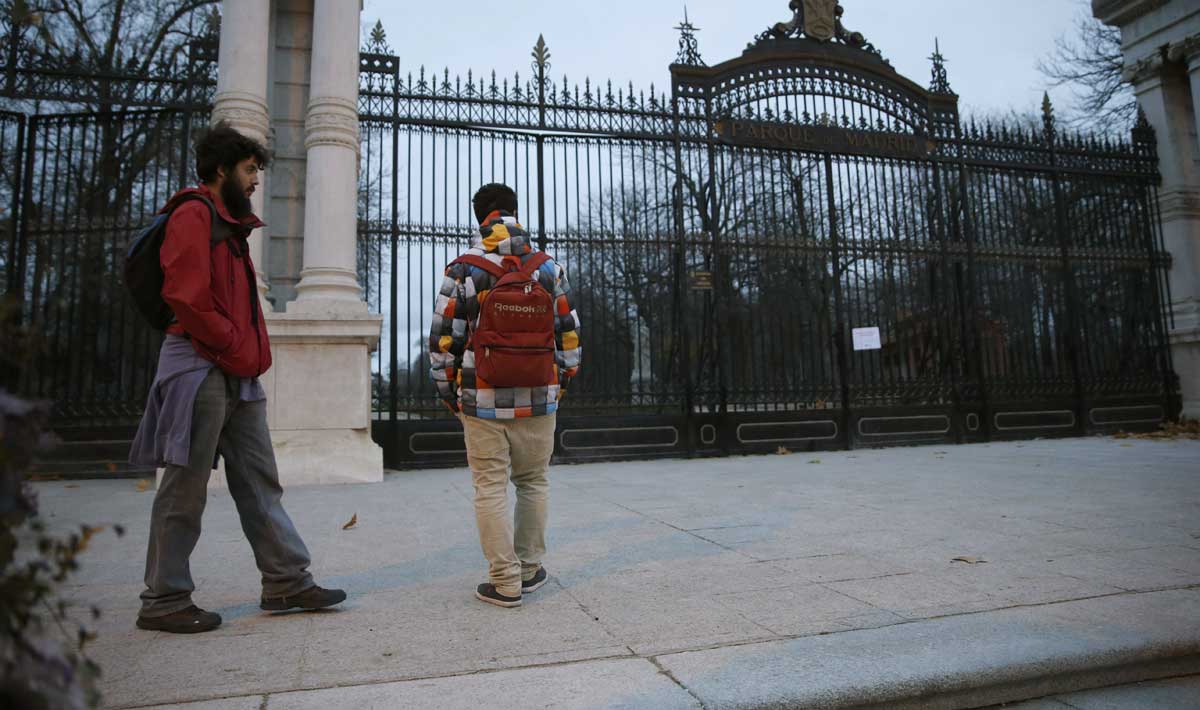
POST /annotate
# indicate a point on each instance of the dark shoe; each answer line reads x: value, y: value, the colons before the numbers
x: 191, y: 620
x: 312, y: 598
x: 532, y: 585
x: 487, y: 593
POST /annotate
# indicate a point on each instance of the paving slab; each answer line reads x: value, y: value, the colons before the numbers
x: 624, y: 684
x: 254, y: 702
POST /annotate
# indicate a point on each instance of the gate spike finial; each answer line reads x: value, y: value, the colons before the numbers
x: 941, y: 81
x: 1143, y: 132
x: 541, y: 56
x: 377, y: 41
x: 1047, y: 113
x: 689, y: 46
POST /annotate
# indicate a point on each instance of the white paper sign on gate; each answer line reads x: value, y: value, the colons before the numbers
x: 867, y: 339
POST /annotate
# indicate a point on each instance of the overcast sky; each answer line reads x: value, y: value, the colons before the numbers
x: 992, y: 47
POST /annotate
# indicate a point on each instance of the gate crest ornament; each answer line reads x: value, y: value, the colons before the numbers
x: 819, y: 20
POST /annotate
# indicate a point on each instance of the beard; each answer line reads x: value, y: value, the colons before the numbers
x: 236, y: 200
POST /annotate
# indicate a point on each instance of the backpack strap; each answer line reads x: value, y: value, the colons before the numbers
x: 478, y: 261
x: 220, y: 231
x: 535, y: 262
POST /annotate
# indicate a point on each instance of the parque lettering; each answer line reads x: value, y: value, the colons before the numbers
x: 831, y: 139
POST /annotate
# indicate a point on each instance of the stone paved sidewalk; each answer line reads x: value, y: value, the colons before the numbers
x: 653, y: 559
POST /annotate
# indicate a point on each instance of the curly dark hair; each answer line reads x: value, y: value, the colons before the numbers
x: 494, y: 196
x: 221, y: 146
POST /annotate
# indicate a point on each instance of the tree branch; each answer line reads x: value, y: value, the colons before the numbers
x: 181, y: 12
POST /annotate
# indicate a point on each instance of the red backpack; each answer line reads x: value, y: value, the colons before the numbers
x: 514, y: 342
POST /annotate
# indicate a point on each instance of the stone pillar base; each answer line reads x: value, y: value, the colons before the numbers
x: 320, y: 395
x: 327, y: 456
x: 1185, y: 354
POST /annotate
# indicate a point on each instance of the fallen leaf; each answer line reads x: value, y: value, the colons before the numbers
x: 86, y: 538
x: 352, y: 523
x: 970, y: 560
x: 815, y: 461
x: 783, y: 451
x: 143, y: 485
x: 1126, y: 446
x: 1185, y: 429
x: 71, y: 485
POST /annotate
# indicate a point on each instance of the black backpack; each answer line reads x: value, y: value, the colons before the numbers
x: 143, y: 267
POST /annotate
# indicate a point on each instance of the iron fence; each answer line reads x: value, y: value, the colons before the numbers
x: 726, y: 239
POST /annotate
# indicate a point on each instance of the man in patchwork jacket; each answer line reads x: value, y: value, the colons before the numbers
x: 505, y: 426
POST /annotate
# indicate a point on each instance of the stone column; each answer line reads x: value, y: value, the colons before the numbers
x: 1167, y: 96
x: 1184, y: 209
x: 329, y: 279
x: 320, y: 386
x: 242, y: 97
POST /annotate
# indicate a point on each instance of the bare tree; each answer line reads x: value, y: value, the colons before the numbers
x: 1090, y: 62
x: 118, y: 86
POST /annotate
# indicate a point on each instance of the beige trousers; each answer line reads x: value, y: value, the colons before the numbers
x: 513, y: 552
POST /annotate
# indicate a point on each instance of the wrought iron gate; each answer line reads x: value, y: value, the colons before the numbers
x: 726, y: 240
x: 86, y: 156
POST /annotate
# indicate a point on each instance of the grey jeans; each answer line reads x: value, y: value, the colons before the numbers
x: 239, y: 429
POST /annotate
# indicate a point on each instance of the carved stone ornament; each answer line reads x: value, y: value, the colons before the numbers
x: 332, y: 121
x: 820, y: 19
x: 1146, y: 68
x: 245, y: 112
x: 1187, y: 50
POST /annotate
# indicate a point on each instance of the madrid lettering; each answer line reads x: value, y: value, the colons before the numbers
x: 830, y: 139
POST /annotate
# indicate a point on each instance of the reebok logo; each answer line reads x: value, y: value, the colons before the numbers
x: 530, y: 310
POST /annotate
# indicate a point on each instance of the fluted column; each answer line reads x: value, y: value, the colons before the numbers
x: 242, y: 96
x: 1166, y: 94
x: 329, y: 279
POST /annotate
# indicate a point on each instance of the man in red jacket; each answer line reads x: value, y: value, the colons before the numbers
x: 206, y: 400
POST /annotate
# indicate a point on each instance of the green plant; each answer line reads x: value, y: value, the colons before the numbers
x: 43, y: 659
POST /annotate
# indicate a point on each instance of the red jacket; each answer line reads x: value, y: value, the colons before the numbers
x: 212, y: 289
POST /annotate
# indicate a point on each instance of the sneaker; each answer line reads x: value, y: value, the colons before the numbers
x: 487, y: 593
x: 192, y: 620
x: 536, y: 582
x: 312, y: 598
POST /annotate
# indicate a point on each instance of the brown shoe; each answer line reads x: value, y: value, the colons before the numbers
x: 312, y: 598
x: 191, y: 620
